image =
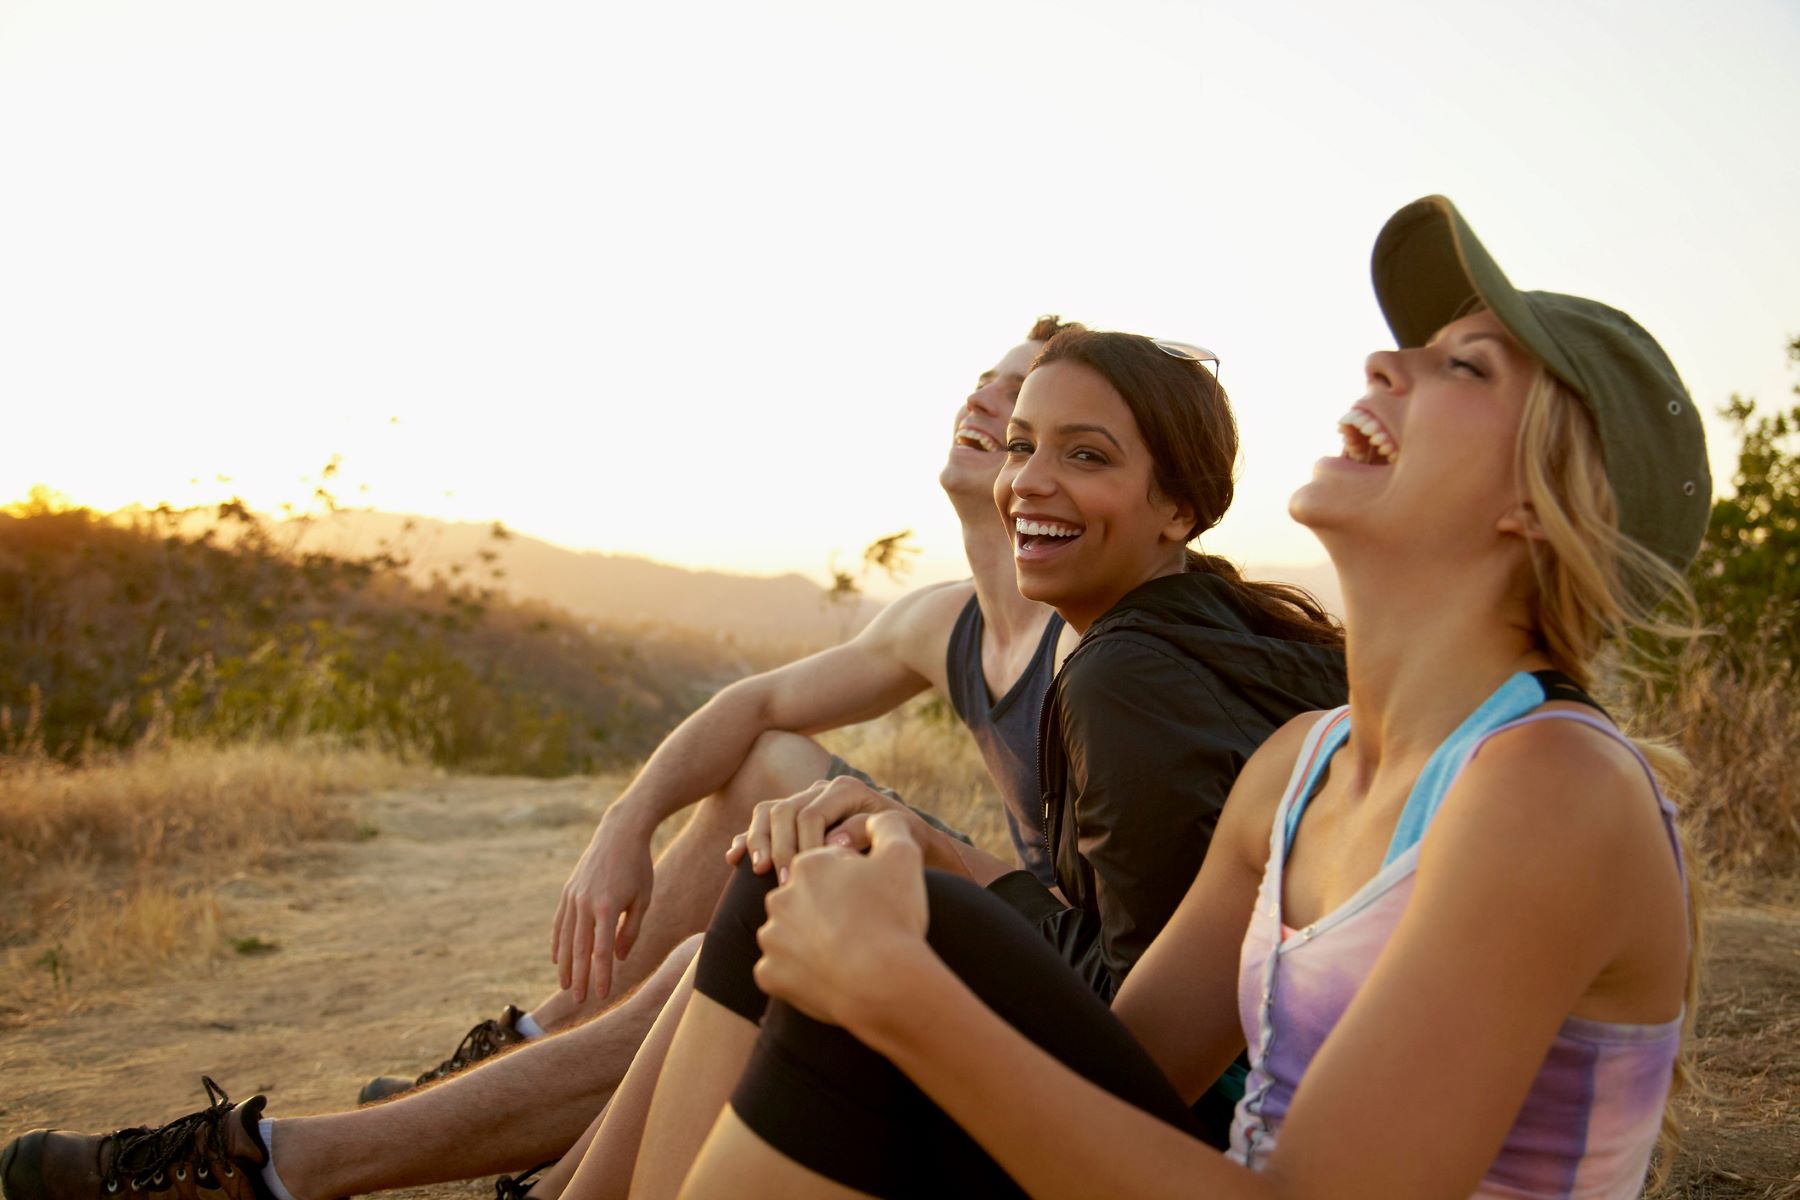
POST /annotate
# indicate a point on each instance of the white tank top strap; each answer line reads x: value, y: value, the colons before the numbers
x: 1299, y: 779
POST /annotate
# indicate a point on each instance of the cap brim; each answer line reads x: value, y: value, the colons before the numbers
x: 1430, y: 269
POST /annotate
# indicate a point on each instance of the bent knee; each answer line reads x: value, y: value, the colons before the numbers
x: 779, y: 764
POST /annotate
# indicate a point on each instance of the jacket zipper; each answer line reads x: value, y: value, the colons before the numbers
x: 1051, y: 704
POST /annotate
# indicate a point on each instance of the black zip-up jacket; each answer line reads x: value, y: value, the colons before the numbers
x: 1142, y: 735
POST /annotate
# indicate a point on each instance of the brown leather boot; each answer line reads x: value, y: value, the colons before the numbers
x: 213, y: 1154
x: 485, y: 1040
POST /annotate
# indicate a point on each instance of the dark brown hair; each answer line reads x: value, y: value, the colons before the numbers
x: 1185, y: 419
x: 1048, y: 327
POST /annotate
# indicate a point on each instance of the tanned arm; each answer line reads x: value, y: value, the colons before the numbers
x: 898, y: 655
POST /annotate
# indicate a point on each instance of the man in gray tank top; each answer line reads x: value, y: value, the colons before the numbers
x: 988, y: 650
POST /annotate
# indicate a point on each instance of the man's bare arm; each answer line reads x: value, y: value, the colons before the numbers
x: 603, y: 903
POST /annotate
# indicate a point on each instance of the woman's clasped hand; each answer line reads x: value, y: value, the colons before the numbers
x: 834, y: 812
x: 845, y: 924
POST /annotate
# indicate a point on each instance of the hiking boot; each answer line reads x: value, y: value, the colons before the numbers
x: 514, y: 1187
x: 214, y: 1154
x: 486, y: 1039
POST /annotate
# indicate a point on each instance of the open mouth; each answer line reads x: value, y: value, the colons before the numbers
x: 1032, y: 534
x: 1366, y: 439
x: 974, y: 439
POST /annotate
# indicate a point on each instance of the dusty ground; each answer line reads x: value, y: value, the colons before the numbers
x: 389, y: 948
x: 1742, y: 1137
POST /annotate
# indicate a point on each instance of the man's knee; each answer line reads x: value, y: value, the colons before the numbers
x: 779, y: 764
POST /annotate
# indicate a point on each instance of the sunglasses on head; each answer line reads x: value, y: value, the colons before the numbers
x: 1188, y: 352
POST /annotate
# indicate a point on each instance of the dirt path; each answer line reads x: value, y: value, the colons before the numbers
x: 389, y: 948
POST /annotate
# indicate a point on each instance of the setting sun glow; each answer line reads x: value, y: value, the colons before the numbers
x: 706, y: 282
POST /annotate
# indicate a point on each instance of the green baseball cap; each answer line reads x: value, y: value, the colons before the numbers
x: 1429, y: 269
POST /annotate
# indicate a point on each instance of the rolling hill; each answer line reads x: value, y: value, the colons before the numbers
x: 783, y: 612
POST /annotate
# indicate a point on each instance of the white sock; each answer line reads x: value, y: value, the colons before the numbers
x: 265, y: 1128
x: 529, y: 1027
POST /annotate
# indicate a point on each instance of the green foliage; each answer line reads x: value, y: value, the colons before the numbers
x: 110, y: 633
x: 56, y: 961
x: 1747, y: 576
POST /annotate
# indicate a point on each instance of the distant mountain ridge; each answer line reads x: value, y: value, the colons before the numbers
x: 612, y: 588
x: 779, y: 611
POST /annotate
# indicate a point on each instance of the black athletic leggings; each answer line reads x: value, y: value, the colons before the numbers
x: 823, y: 1099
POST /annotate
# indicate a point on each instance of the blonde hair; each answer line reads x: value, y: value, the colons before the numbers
x: 1596, y: 590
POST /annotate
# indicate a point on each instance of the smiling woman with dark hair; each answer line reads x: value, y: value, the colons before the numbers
x: 1120, y: 452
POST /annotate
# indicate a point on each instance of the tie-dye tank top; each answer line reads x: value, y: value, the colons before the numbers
x: 1592, y: 1116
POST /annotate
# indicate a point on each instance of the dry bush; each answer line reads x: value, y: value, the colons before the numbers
x: 1732, y: 711
x: 923, y: 752
x: 109, y: 867
x: 1740, y: 728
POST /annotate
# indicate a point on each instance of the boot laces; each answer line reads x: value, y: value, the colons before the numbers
x: 144, y: 1156
x: 480, y: 1042
x: 514, y: 1187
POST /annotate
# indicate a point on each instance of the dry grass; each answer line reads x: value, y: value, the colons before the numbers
x: 1739, y: 727
x: 1741, y: 1131
x: 925, y: 754
x: 1741, y: 731
x: 109, y: 868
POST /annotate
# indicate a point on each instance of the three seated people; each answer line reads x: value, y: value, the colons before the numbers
x: 1296, y: 912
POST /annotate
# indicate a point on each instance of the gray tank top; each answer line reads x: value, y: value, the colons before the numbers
x: 1006, y: 730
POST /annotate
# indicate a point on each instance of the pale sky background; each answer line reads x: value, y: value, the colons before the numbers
x: 706, y: 281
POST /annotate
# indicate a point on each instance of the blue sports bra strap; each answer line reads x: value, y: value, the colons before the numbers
x: 1517, y: 696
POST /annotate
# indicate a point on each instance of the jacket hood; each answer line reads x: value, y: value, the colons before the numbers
x: 1205, y: 618
x: 1149, y: 722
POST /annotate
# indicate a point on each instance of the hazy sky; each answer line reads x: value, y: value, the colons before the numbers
x: 706, y: 281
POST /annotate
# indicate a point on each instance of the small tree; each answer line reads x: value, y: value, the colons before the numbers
x: 891, y: 555
x: 1747, y: 576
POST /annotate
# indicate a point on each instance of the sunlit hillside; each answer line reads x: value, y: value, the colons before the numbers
x: 110, y: 633
x: 781, y: 615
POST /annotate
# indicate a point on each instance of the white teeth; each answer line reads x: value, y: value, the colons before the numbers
x: 1375, y: 441
x: 969, y: 433
x: 1043, y: 528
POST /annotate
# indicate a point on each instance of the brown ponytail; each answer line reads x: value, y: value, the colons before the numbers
x: 1185, y: 419
x: 1284, y: 610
